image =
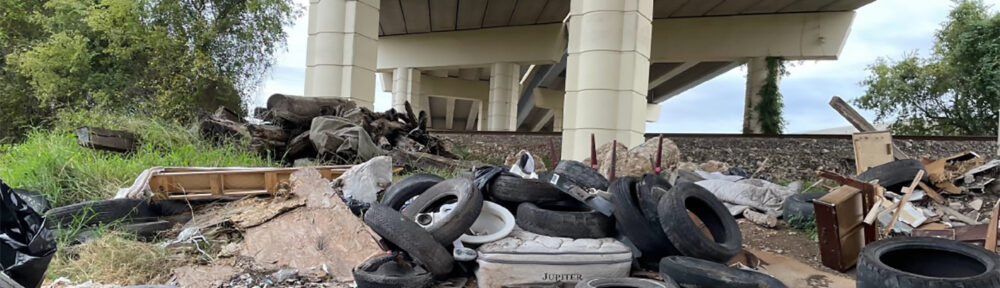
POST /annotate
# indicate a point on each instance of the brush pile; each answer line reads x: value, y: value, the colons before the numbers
x: 325, y: 129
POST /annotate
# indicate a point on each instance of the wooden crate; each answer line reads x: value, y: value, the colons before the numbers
x: 209, y: 183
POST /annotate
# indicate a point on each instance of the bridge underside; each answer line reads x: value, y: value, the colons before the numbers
x: 514, y: 65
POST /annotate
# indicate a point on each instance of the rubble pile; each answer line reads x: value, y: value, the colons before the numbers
x: 325, y: 129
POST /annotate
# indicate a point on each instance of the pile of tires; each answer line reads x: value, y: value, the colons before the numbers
x: 668, y: 225
x: 663, y: 220
x: 419, y: 219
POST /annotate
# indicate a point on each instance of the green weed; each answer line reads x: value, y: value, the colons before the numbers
x: 805, y: 225
x: 52, y: 163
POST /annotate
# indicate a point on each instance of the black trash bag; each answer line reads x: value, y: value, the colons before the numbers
x: 484, y: 175
x: 26, y: 245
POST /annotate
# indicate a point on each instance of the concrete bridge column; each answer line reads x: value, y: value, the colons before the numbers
x: 341, y: 49
x: 406, y: 87
x: 607, y: 75
x: 756, y: 76
x: 505, y: 88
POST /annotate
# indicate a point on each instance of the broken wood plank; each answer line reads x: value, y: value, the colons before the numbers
x: 860, y: 122
x: 106, y: 139
x: 956, y: 215
x: 908, y: 192
x: 793, y: 273
x: 932, y: 193
x: 991, y: 231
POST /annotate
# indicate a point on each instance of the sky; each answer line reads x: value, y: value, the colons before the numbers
x: 884, y: 28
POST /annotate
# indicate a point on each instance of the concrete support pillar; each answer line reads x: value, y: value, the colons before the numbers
x: 557, y: 121
x: 406, y: 87
x: 505, y: 88
x: 607, y: 75
x: 756, y: 76
x: 341, y: 49
x: 483, y: 118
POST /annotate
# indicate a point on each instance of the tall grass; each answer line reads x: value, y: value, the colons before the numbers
x: 52, y: 163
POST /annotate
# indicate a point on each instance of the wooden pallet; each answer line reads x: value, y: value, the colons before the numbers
x: 209, y: 183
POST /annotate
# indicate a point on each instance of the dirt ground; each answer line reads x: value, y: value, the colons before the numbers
x: 787, y: 242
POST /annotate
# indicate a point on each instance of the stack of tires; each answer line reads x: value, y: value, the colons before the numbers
x: 545, y: 210
x: 420, y: 217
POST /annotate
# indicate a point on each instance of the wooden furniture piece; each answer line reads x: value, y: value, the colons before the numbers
x: 840, y: 224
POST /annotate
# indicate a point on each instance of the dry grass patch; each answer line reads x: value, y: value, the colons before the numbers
x: 115, y: 258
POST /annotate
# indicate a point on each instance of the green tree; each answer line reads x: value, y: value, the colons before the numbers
x: 954, y: 91
x: 166, y: 58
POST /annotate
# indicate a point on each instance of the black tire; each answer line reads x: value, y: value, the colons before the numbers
x: 894, y: 174
x: 703, y: 273
x: 409, y: 237
x: 511, y: 188
x: 686, y: 236
x: 581, y: 174
x: 468, y: 203
x: 800, y: 206
x: 626, y: 282
x: 99, y: 212
x: 572, y: 222
x: 386, y: 272
x: 148, y: 228
x: 409, y: 187
x: 919, y: 262
x: 630, y: 221
x: 649, y: 197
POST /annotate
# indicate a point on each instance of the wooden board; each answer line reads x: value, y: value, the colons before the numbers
x: 859, y: 121
x: 797, y: 274
x: 176, y: 183
x: 105, y: 139
x: 871, y: 149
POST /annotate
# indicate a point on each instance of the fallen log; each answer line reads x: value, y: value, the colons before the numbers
x: 221, y: 129
x: 269, y: 132
x: 225, y: 113
x: 299, y: 147
x: 300, y: 111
